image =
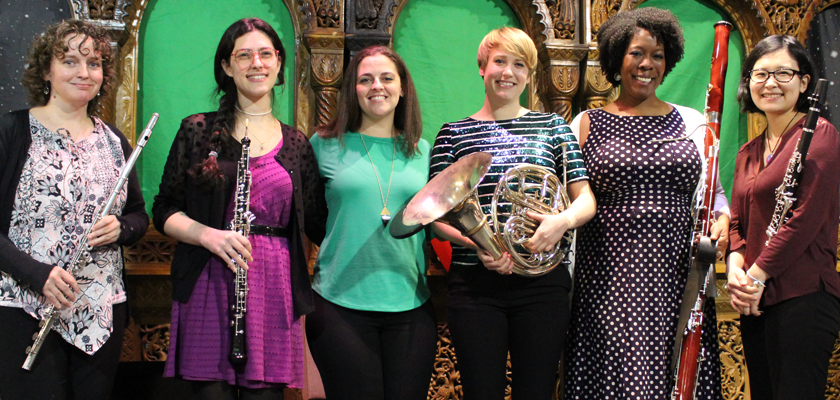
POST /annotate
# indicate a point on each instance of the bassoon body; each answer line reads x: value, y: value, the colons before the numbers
x: 703, y: 250
x: 241, y: 223
x: 786, y: 191
x: 81, y: 256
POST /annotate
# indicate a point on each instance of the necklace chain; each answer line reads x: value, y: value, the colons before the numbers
x: 263, y: 142
x: 779, y: 140
x: 384, y: 214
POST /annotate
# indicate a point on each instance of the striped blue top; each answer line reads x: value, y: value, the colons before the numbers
x: 534, y: 138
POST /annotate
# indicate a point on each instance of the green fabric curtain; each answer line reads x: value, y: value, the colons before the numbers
x: 178, y: 41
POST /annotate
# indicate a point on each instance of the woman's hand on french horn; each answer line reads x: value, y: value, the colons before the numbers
x: 548, y: 233
x: 233, y: 248
x: 503, y: 265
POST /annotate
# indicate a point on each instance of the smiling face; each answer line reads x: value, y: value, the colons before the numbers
x: 257, y: 79
x: 76, y: 77
x: 378, y: 87
x: 643, y: 66
x: 505, y: 76
x: 772, y: 96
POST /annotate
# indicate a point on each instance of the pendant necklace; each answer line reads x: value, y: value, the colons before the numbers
x: 385, y: 215
x: 774, y: 148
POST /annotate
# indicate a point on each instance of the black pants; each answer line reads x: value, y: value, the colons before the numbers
x: 529, y: 323
x: 218, y: 390
x: 61, y: 371
x: 373, y: 355
x: 788, y: 348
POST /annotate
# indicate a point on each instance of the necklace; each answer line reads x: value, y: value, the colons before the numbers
x: 779, y: 140
x: 385, y: 215
x: 252, y: 114
x: 254, y: 136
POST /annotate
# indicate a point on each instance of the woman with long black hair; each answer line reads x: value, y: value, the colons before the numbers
x: 195, y: 205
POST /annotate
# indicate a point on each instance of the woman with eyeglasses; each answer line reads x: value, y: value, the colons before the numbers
x: 787, y: 290
x: 195, y: 206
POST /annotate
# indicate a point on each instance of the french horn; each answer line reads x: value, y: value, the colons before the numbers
x: 451, y: 198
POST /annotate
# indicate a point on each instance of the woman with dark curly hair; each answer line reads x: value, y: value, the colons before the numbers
x: 195, y: 205
x: 633, y: 257
x: 59, y: 165
x: 787, y: 291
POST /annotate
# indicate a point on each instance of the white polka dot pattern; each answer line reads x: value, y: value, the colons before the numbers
x: 632, y: 262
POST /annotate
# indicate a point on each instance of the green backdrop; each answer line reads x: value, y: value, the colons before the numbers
x: 178, y: 41
x: 438, y: 40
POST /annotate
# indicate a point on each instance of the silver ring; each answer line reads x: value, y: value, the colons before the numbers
x: 228, y: 250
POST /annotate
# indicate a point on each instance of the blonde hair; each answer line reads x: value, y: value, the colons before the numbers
x: 512, y: 40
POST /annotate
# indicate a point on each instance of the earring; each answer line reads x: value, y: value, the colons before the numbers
x: 47, y: 89
x: 617, y: 77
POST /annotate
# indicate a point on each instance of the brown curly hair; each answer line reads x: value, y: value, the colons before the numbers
x: 52, y: 43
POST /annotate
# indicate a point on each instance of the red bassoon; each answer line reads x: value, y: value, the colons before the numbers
x: 703, y: 250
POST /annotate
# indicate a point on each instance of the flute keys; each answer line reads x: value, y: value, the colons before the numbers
x: 29, y: 348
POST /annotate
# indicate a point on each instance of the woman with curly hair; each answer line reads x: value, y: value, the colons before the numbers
x: 60, y: 163
x: 195, y: 206
x: 633, y: 257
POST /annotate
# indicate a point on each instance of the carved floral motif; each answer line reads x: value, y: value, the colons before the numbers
x: 564, y: 15
x: 328, y: 13
x: 367, y: 13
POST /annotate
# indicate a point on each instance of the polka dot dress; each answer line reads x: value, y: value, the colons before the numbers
x: 632, y: 262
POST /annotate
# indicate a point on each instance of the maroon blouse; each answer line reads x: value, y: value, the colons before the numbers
x: 803, y: 252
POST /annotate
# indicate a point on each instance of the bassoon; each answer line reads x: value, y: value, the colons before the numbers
x: 241, y: 223
x: 786, y: 191
x: 81, y: 256
x: 703, y: 249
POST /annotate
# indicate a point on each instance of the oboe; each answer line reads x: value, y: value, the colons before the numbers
x: 81, y: 256
x: 241, y: 223
x: 703, y: 250
x: 786, y: 191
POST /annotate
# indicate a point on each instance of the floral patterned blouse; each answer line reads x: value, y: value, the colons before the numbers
x: 61, y: 188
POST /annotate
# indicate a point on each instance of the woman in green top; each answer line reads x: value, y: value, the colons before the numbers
x: 372, y: 334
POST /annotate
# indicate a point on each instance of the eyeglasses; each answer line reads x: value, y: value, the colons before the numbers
x: 244, y: 58
x: 782, y: 75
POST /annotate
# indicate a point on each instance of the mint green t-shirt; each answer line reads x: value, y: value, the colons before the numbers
x: 360, y: 265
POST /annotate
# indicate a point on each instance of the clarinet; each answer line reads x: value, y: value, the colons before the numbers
x: 786, y: 191
x: 703, y: 250
x: 81, y: 256
x: 241, y: 223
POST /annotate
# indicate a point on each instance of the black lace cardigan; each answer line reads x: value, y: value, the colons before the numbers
x: 180, y: 192
x: 15, y: 139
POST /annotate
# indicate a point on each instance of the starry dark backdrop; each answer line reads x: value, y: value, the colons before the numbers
x: 20, y: 22
x: 825, y: 50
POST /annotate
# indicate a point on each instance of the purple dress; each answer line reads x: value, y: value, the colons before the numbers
x: 200, y: 333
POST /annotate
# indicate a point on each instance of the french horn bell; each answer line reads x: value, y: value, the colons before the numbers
x: 451, y: 198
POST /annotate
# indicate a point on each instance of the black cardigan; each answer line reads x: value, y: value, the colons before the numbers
x: 15, y: 139
x: 179, y: 192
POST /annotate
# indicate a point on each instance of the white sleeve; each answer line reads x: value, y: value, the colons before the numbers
x: 693, y: 119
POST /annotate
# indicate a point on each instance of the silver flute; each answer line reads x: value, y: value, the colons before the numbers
x: 241, y: 223
x: 82, y: 255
